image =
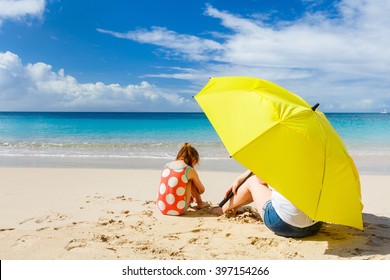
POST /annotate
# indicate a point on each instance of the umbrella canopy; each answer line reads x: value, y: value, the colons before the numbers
x: 290, y: 145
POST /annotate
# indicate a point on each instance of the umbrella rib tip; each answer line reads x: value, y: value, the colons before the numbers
x: 315, y: 106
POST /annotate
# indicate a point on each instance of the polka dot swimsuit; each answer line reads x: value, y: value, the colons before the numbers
x: 171, y: 193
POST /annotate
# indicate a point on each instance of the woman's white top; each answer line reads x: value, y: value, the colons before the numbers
x: 288, y: 212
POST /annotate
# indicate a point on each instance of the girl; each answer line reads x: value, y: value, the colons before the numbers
x: 180, y: 182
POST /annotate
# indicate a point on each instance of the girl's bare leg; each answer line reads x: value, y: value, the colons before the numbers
x: 191, y: 189
x: 201, y: 204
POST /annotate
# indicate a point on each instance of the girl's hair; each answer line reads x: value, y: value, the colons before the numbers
x: 188, y: 154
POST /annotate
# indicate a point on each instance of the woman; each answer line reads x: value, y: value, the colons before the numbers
x: 278, y: 213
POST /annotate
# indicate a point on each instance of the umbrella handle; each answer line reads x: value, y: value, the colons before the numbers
x: 230, y: 195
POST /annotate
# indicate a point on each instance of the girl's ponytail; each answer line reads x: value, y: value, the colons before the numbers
x: 188, y: 154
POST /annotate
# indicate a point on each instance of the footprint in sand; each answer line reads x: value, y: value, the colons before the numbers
x: 337, y: 236
x: 127, y: 213
x: 193, y: 240
x: 356, y: 252
x: 47, y: 218
x: 102, y: 238
x: 142, y: 245
x: 383, y: 226
x: 114, y: 224
x: 378, y: 241
x: 25, y: 241
x: 172, y: 237
x: 148, y: 213
x: 261, y: 242
x: 25, y: 221
x: 148, y: 202
x: 6, y: 229
x: 122, y: 198
x: 139, y: 226
x: 96, y: 197
x: 42, y: 219
x: 41, y: 229
x: 76, y: 243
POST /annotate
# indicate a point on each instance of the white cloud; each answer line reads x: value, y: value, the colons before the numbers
x: 341, y: 60
x: 183, y: 45
x: 355, y: 42
x: 21, y: 9
x: 37, y: 87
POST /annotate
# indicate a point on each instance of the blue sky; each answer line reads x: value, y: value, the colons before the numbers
x: 155, y: 55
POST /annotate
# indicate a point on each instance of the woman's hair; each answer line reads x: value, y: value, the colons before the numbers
x: 188, y: 154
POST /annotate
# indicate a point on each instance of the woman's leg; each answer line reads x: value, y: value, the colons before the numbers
x: 242, y: 197
x: 261, y: 193
x: 252, y: 190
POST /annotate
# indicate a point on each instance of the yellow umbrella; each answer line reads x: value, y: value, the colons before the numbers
x: 289, y: 144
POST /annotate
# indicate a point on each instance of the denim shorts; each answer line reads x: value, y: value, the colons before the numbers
x: 279, y: 227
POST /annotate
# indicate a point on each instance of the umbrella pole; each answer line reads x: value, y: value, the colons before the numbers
x: 230, y: 195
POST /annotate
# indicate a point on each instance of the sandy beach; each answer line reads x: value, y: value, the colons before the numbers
x: 107, y: 214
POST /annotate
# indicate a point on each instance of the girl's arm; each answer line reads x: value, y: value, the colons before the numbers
x: 193, y: 175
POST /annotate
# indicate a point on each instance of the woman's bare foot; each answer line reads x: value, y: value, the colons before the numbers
x: 217, y: 211
x: 227, y: 211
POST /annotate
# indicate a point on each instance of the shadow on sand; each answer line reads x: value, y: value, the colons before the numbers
x: 342, y: 241
x: 348, y: 242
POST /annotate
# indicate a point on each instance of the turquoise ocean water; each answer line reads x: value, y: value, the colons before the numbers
x: 147, y: 140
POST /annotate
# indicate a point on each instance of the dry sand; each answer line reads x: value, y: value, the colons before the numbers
x: 63, y: 213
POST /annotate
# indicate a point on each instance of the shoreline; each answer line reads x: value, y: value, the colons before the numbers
x: 107, y: 214
x: 366, y: 164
